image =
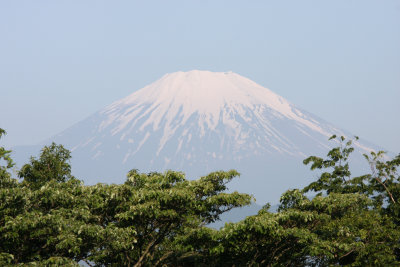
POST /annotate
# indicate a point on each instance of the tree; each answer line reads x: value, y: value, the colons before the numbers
x: 384, y: 184
x: 351, y: 220
x: 338, y: 229
x: 5, y: 175
x: 50, y: 217
x: 349, y: 230
x: 52, y: 165
x: 153, y: 210
x: 381, y: 185
x: 45, y: 217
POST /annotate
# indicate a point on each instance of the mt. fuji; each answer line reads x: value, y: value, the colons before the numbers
x: 198, y: 122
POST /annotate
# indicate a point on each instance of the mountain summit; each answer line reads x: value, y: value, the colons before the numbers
x: 240, y: 112
x: 198, y: 122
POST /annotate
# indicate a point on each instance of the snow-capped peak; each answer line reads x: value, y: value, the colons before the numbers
x: 197, y: 122
x: 213, y: 96
x: 205, y: 92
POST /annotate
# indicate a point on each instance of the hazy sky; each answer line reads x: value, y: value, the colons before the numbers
x: 61, y: 61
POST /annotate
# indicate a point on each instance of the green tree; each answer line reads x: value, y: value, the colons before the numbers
x: 5, y: 158
x: 338, y: 229
x: 48, y: 217
x: 351, y: 220
x: 44, y: 218
x: 150, y: 211
x: 381, y: 185
x: 52, y: 165
x: 51, y: 218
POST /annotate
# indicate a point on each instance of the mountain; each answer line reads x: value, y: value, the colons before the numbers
x: 198, y: 122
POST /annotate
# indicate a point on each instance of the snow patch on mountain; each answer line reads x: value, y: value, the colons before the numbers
x: 223, y: 98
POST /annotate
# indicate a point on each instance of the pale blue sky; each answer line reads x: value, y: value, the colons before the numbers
x: 61, y: 61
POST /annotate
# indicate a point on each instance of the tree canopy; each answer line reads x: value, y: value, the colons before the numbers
x: 49, y: 217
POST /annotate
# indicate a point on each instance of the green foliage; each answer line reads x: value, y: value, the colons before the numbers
x: 41, y: 218
x: 5, y: 175
x: 384, y: 183
x: 338, y: 180
x: 49, y: 218
x: 351, y: 221
x: 151, y: 210
x: 338, y: 229
x: 381, y: 187
x: 347, y: 228
x: 53, y: 164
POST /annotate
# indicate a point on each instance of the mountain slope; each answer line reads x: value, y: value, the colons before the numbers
x: 197, y: 122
